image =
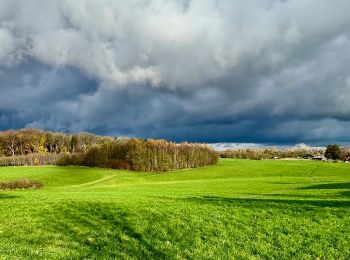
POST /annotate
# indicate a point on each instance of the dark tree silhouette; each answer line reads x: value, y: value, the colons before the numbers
x: 333, y: 152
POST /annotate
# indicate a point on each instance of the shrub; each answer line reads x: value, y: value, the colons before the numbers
x: 21, y: 184
x: 70, y: 160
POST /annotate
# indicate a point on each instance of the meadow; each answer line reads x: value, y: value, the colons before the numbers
x: 237, y: 209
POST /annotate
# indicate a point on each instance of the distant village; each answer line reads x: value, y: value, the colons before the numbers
x: 332, y: 152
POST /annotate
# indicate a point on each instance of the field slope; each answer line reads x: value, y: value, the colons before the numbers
x: 236, y: 209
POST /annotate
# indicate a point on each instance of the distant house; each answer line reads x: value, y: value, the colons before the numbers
x: 308, y: 156
x: 319, y: 158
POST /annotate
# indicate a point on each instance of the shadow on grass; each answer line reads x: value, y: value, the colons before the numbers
x: 98, y: 230
x: 292, y: 195
x: 6, y: 196
x: 345, y: 193
x: 329, y: 186
x: 284, y: 183
x: 265, y: 202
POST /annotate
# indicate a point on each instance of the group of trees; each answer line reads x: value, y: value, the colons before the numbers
x: 332, y: 152
x: 335, y: 152
x: 37, y: 147
x: 35, y: 141
x: 270, y: 153
x: 144, y: 155
x: 30, y: 159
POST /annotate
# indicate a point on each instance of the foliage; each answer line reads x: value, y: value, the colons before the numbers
x: 333, y: 152
x: 70, y: 159
x: 345, y: 154
x: 20, y: 184
x: 237, y: 209
x: 30, y: 160
x: 144, y: 155
x: 35, y: 141
x: 260, y: 154
x: 37, y: 147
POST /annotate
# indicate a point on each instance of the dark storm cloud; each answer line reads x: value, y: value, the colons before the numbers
x: 243, y: 71
x: 33, y: 91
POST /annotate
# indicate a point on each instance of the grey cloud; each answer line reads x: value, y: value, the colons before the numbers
x: 257, y: 71
x: 161, y: 42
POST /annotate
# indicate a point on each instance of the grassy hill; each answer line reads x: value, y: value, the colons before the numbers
x: 236, y: 209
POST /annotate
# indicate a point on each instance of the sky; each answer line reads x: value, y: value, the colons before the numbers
x: 257, y: 71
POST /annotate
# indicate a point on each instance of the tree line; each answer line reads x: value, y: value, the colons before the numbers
x: 30, y: 160
x: 36, y: 141
x: 37, y: 147
x: 144, y: 155
x: 332, y: 152
x: 270, y: 153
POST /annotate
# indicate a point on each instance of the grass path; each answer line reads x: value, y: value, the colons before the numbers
x: 237, y: 209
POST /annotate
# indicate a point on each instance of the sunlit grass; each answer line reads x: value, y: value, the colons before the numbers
x: 237, y: 209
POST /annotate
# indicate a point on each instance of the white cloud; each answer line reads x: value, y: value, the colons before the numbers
x: 7, y: 44
x: 184, y: 45
x: 201, y: 60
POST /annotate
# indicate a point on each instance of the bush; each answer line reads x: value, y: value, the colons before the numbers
x: 20, y: 184
x: 70, y: 160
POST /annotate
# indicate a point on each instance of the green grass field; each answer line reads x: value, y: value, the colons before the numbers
x: 236, y: 209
